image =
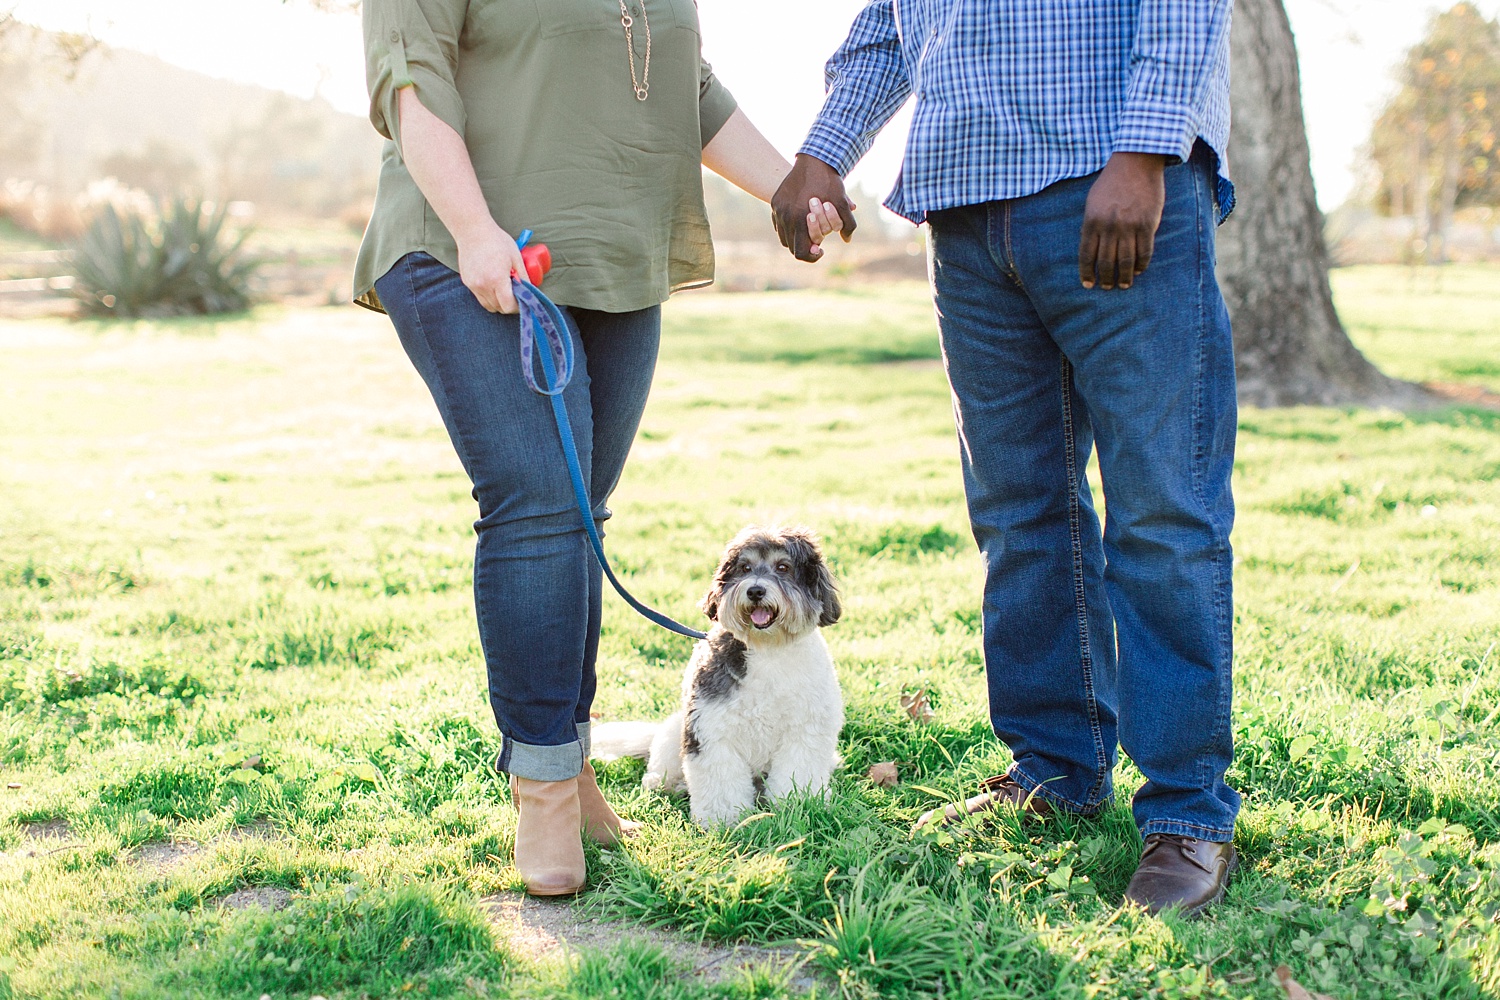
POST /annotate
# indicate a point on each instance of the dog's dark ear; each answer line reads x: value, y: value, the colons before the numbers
x: 828, y: 593
x: 721, y: 575
x: 814, y: 575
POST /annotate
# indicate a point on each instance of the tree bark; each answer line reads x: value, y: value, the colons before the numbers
x: 1442, y: 225
x: 1273, y: 265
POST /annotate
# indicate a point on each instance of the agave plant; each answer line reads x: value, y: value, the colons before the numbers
x: 175, y: 261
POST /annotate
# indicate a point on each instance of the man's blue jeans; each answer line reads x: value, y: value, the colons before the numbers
x: 537, y: 587
x: 1092, y: 639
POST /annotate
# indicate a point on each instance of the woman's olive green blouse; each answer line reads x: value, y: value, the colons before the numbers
x: 540, y: 90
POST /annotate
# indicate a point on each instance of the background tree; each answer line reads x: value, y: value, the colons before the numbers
x: 18, y: 130
x: 1273, y: 265
x: 1434, y: 143
x: 25, y: 54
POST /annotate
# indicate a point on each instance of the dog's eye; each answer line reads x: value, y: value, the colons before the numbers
x: 783, y: 568
x: 743, y: 567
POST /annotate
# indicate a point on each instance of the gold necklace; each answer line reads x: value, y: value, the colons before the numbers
x: 642, y: 87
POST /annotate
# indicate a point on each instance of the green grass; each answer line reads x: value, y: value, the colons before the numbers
x: 236, y: 650
x: 1432, y: 324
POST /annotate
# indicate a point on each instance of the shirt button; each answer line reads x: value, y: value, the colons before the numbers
x: 395, y: 36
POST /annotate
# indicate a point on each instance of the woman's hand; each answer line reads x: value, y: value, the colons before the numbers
x: 823, y: 220
x: 487, y: 259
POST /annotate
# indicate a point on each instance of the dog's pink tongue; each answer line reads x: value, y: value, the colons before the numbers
x: 760, y: 617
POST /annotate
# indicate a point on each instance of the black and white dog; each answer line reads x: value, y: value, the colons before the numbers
x: 760, y: 699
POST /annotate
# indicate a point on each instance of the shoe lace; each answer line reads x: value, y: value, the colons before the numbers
x: 1186, y: 846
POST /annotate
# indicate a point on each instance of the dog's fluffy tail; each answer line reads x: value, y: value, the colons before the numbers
x: 622, y: 739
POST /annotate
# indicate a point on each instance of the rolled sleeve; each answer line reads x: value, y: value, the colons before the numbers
x: 867, y: 84
x: 715, y: 103
x: 1147, y: 128
x: 834, y: 144
x: 1171, y: 63
x: 413, y: 43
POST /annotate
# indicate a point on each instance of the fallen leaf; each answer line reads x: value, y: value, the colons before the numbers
x: 251, y: 762
x: 883, y: 774
x: 1294, y: 989
x: 917, y: 708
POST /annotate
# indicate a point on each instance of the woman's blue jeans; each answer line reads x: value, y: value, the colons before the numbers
x: 1093, y: 638
x: 537, y: 587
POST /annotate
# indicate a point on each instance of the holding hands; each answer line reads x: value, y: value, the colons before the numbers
x: 811, y: 205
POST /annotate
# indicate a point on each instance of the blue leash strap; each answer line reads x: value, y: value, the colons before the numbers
x: 541, y: 319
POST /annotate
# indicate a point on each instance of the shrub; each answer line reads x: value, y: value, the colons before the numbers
x: 175, y: 261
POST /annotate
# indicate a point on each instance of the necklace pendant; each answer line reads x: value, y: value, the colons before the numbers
x: 641, y: 94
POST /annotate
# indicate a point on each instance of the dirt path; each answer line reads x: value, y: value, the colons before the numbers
x: 1465, y: 395
x: 534, y: 928
x: 541, y: 929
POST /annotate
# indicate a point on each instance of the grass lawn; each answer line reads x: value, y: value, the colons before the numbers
x: 237, y: 653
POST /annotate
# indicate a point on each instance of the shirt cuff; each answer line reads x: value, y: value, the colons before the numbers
x: 833, y: 144
x: 1169, y: 131
x: 397, y: 72
x: 716, y: 105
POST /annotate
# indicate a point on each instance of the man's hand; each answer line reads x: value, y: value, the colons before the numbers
x: 1120, y: 220
x: 487, y: 257
x: 810, y: 181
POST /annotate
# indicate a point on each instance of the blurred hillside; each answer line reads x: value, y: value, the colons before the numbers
x: 82, y: 124
x: 72, y: 119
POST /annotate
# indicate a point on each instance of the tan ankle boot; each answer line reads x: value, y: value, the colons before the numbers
x: 599, y: 821
x: 549, y: 850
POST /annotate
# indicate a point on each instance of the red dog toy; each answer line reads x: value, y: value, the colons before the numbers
x: 537, y: 257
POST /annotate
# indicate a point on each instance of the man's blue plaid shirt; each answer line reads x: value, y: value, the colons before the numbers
x: 1014, y: 95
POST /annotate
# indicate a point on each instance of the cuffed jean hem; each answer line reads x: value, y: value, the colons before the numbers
x: 1215, y: 835
x: 1041, y: 791
x: 534, y: 763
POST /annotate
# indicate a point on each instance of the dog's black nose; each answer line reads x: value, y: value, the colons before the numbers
x: 756, y: 593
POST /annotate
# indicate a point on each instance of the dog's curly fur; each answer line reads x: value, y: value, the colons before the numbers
x: 760, y: 699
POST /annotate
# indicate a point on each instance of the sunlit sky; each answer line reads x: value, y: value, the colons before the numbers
x: 770, y: 53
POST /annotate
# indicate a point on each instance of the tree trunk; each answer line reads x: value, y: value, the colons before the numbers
x: 1273, y: 266
x: 1442, y: 219
x: 1421, y: 197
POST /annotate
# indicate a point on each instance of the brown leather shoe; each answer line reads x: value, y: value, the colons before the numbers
x: 1001, y: 790
x: 1181, y: 872
x: 549, y: 845
x: 600, y: 823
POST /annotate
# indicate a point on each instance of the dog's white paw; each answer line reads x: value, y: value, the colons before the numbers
x: 715, y: 821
